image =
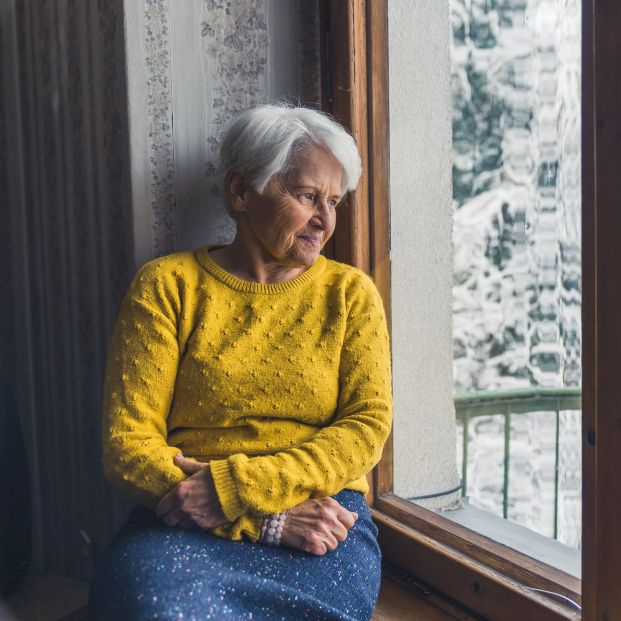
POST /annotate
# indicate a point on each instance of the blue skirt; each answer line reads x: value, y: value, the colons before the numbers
x: 154, y: 571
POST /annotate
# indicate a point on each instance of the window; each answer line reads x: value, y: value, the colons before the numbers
x: 517, y: 265
x: 486, y: 576
x: 507, y: 78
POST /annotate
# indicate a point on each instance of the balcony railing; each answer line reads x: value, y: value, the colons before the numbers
x: 507, y: 404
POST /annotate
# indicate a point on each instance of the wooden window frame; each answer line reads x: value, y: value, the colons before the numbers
x: 484, y: 575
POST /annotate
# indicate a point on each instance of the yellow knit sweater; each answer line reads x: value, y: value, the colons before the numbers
x: 284, y: 388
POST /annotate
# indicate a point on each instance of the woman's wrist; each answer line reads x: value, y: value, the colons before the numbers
x: 272, y: 527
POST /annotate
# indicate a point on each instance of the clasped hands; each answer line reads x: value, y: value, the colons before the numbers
x: 314, y: 526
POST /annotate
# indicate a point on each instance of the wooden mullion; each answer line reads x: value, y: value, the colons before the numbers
x: 360, y: 241
x: 379, y: 188
x: 589, y: 328
x: 601, y: 310
x: 344, y: 62
x: 379, y: 156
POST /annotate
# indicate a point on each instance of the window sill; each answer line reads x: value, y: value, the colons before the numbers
x: 520, y: 538
x: 472, y: 569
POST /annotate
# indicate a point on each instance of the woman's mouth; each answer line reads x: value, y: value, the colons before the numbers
x: 311, y: 241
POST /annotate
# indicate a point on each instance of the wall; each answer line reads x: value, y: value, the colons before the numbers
x: 112, y: 112
x: 421, y: 249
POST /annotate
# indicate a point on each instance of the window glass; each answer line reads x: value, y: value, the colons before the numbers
x: 485, y: 232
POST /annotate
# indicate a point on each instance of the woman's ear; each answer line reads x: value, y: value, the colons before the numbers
x: 238, y: 191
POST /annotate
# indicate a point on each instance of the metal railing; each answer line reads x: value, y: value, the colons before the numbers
x: 508, y: 403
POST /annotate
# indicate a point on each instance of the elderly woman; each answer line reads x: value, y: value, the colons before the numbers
x: 247, y: 395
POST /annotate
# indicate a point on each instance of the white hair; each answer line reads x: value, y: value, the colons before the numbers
x: 262, y: 142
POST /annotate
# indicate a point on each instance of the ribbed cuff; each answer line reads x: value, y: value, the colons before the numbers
x: 252, y: 528
x: 248, y: 527
x: 226, y: 489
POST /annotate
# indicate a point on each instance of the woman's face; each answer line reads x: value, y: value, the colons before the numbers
x: 296, y: 214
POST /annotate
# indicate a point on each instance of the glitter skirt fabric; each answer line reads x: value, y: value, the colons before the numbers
x: 154, y: 571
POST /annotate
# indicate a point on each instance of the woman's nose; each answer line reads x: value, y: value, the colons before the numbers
x: 322, y: 212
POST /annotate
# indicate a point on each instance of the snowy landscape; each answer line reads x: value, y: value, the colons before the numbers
x: 517, y: 272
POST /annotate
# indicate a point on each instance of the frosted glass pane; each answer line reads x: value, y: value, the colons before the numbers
x: 516, y: 235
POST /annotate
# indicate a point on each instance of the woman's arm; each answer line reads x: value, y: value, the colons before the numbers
x: 140, y: 377
x: 141, y: 371
x: 314, y: 526
x: 338, y: 454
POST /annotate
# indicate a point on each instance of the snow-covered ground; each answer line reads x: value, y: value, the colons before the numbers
x: 517, y: 272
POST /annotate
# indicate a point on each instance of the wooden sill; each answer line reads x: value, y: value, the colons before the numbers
x: 515, y: 565
x: 460, y: 577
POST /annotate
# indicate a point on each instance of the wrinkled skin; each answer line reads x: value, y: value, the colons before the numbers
x: 269, y: 245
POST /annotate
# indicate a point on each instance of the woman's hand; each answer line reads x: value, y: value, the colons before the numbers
x: 317, y: 525
x: 193, y: 502
x: 314, y: 526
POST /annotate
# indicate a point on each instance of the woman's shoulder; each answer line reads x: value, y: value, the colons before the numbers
x: 345, y: 275
x: 357, y: 288
x: 177, y: 263
x: 166, y: 274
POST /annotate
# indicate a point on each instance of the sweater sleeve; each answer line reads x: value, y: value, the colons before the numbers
x: 337, y: 454
x: 141, y: 370
x: 140, y: 377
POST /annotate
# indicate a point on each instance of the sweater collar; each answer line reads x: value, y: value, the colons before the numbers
x: 248, y: 286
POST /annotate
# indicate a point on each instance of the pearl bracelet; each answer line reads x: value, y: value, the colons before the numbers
x: 271, y: 528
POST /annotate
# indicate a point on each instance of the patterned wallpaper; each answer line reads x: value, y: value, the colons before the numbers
x: 160, y: 124
x: 234, y: 53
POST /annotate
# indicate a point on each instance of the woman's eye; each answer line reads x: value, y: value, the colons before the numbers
x: 333, y: 203
x: 308, y: 196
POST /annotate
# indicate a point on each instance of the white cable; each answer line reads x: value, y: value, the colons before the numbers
x: 563, y: 597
